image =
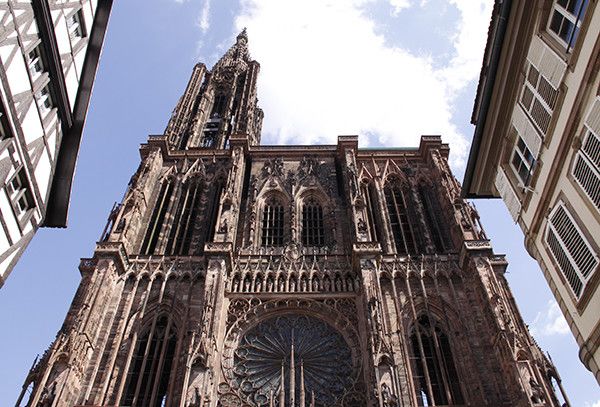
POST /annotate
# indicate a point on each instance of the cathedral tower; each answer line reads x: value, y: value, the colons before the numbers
x: 235, y: 274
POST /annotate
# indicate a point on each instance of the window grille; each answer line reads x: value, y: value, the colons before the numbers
x: 573, y: 254
x: 18, y: 191
x: 586, y: 168
x: 35, y: 61
x: 565, y: 20
x: 44, y: 100
x: 313, y: 230
x: 148, y: 376
x: 399, y: 221
x: 272, y: 225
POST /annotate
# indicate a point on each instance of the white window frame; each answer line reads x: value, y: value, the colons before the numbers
x: 582, y: 276
x: 44, y: 100
x: 530, y: 166
x: 75, y: 25
x: 574, y: 20
x: 35, y: 61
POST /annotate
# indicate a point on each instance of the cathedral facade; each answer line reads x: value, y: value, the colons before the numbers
x: 236, y: 274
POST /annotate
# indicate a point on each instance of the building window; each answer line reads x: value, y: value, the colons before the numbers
x: 565, y: 20
x: 155, y: 223
x: 522, y: 161
x: 538, y: 98
x: 44, y: 100
x: 19, y: 193
x: 586, y: 168
x: 36, y: 61
x: 76, y: 26
x: 148, y: 376
x: 272, y: 224
x: 575, y: 257
x: 4, y: 133
x: 396, y: 203
x: 436, y: 378
x: 313, y: 230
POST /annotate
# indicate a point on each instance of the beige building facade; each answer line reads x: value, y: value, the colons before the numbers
x: 49, y: 52
x: 537, y: 146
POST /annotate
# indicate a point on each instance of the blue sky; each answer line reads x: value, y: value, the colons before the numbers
x: 386, y: 70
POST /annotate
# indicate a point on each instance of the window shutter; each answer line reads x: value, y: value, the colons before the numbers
x: 592, y: 121
x: 507, y: 193
x: 575, y: 257
x: 526, y: 130
x: 550, y: 65
x: 586, y: 168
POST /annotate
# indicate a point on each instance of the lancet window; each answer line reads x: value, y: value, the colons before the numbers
x: 397, y: 207
x: 272, y: 223
x: 157, y: 219
x: 436, y: 378
x: 150, y: 368
x: 313, y: 229
x: 184, y: 221
x: 371, y: 203
x: 434, y: 219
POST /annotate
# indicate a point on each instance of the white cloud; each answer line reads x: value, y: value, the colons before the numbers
x: 596, y: 404
x: 326, y: 72
x: 204, y: 20
x: 550, y: 322
x: 399, y: 5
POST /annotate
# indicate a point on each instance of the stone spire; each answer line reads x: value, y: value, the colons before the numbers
x: 282, y: 387
x: 302, y: 390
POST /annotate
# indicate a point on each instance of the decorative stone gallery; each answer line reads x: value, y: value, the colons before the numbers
x: 236, y: 274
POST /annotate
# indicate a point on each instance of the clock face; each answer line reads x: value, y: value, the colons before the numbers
x: 321, y: 356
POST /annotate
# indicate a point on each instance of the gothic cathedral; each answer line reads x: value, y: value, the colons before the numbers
x: 235, y: 274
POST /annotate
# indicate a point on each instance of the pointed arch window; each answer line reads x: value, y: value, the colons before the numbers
x: 150, y: 368
x: 313, y: 229
x: 180, y: 236
x: 272, y: 224
x: 369, y: 193
x: 396, y: 201
x: 155, y: 224
x: 434, y: 218
x: 436, y: 378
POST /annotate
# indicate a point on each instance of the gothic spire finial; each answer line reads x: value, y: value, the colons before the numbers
x: 243, y: 35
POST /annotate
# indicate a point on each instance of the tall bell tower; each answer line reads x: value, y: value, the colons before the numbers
x: 237, y: 274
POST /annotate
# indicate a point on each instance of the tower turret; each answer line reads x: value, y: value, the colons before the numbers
x: 219, y: 103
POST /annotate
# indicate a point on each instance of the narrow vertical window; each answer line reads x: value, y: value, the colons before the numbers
x: 313, y: 231
x: 76, y: 26
x: 184, y: 220
x: 522, y: 161
x: 371, y: 204
x: 436, y: 378
x: 20, y: 195
x: 155, y: 224
x: 44, y: 100
x: 272, y: 224
x: 35, y: 61
x: 399, y: 222
x: 434, y: 218
x: 150, y: 368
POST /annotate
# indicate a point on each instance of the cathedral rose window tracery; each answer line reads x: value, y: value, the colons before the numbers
x: 311, y: 357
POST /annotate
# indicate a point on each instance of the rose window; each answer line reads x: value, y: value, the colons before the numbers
x: 297, y: 359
